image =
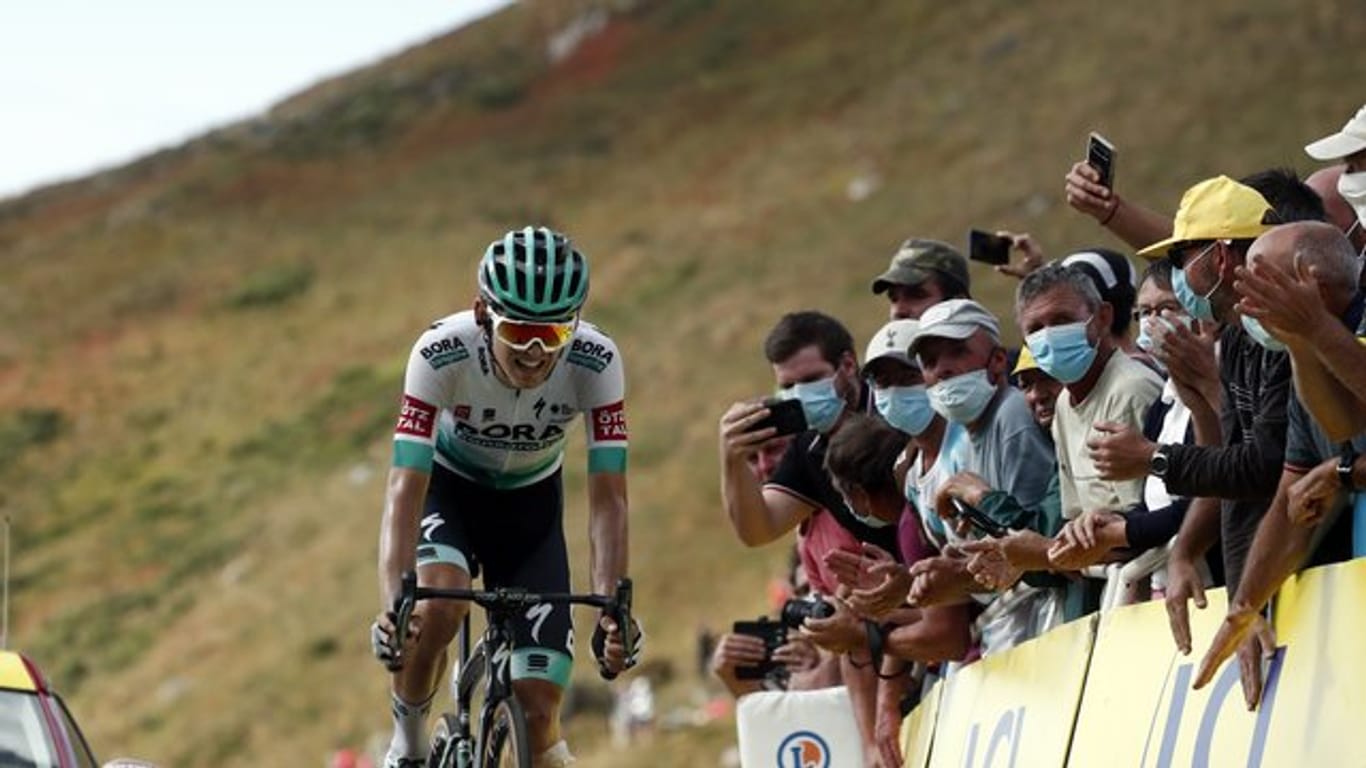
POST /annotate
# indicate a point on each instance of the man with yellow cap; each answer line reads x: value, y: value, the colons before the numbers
x: 1238, y: 454
x: 1040, y: 390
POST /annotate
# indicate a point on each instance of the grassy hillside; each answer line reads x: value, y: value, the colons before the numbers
x: 200, y: 353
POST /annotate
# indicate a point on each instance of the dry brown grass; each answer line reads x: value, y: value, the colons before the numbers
x: 195, y: 558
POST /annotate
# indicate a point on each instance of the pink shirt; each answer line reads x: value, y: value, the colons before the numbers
x: 822, y: 533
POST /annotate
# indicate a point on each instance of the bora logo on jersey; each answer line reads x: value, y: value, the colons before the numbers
x: 803, y: 749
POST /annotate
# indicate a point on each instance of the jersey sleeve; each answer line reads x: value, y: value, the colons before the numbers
x: 602, y: 395
x: 424, y: 390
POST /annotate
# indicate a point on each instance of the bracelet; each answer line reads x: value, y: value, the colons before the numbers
x: 1112, y: 213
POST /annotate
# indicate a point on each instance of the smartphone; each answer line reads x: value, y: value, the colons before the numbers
x: 988, y: 248
x: 774, y: 635
x: 786, y: 416
x: 1100, y: 154
x: 978, y: 519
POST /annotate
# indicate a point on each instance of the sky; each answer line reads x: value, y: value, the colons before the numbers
x: 90, y: 84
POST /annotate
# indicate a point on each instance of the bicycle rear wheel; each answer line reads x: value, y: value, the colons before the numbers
x: 505, y: 742
x: 444, y: 744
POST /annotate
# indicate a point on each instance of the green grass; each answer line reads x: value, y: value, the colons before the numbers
x: 201, y: 354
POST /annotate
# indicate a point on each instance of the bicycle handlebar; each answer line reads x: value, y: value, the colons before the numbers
x: 617, y: 607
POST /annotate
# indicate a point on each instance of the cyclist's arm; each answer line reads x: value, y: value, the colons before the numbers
x: 406, y: 490
x: 607, y: 530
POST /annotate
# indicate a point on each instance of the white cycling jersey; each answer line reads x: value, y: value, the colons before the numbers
x: 457, y: 413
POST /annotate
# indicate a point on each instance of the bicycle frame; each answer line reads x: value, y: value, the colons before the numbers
x: 495, y: 646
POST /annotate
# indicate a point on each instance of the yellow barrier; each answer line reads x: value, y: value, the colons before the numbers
x: 1118, y: 693
x: 917, y: 730
x: 1015, y: 708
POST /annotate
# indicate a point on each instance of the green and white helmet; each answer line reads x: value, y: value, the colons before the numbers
x: 534, y: 274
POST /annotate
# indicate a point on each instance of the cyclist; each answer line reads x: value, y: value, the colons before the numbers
x: 488, y: 398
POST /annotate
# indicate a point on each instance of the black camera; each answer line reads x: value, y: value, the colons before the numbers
x: 798, y: 610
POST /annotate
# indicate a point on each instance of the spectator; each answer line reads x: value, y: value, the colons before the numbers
x: 1329, y: 364
x: 923, y: 273
x: 901, y: 399
x: 804, y: 667
x: 959, y: 349
x: 813, y: 361
x: 1336, y: 210
x: 1040, y: 391
x: 1348, y: 146
x: 1067, y: 330
x: 1113, y: 277
x: 1318, y: 477
x: 960, y: 353
x: 1123, y: 454
x: 1216, y: 223
x: 861, y: 461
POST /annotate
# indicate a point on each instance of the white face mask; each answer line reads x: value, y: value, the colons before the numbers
x: 1352, y: 187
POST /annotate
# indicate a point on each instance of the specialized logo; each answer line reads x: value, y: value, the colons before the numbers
x: 539, y: 406
x: 416, y: 418
x: 429, y: 525
x: 537, y: 615
x: 442, y: 353
x: 461, y: 412
x: 591, y: 355
x: 803, y: 749
x: 609, y: 422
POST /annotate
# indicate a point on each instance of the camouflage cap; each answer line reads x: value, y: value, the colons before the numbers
x: 918, y: 259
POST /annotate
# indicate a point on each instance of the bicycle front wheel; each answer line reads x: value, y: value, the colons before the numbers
x: 505, y: 743
x: 445, y: 746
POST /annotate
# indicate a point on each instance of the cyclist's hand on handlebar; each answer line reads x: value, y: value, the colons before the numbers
x: 384, y: 640
x: 609, y: 650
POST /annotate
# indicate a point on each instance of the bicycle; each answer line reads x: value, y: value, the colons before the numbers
x: 501, y: 736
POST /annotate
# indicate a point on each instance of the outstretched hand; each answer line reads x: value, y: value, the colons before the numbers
x: 1245, y: 632
x: 1031, y: 255
x: 877, y: 583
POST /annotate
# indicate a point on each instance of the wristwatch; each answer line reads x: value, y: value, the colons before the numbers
x: 1160, y: 462
x: 1346, y: 460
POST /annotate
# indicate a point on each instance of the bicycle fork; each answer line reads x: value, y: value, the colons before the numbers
x: 464, y: 678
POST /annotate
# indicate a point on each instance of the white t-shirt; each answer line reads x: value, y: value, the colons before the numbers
x: 923, y: 484
x: 1122, y: 394
x: 1174, y: 425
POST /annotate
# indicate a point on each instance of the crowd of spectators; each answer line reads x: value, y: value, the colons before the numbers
x: 1197, y: 423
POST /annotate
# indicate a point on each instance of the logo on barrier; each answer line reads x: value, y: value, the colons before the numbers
x: 1163, y: 732
x: 803, y: 749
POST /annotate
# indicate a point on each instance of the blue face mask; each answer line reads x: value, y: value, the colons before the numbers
x: 1197, y: 305
x: 905, y: 408
x: 1261, y: 336
x: 821, y: 404
x: 1062, y: 351
x: 962, y: 398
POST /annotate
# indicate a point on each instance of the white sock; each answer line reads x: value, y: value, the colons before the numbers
x: 557, y: 756
x: 410, y: 725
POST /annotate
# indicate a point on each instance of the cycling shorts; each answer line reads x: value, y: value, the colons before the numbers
x: 515, y: 538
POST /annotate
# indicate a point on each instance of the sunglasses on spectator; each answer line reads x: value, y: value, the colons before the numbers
x: 1157, y: 309
x: 1181, y: 255
x: 521, y: 335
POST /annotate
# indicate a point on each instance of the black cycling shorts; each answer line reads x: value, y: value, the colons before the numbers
x: 514, y: 538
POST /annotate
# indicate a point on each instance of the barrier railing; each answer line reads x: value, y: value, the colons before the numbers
x: 1113, y: 690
